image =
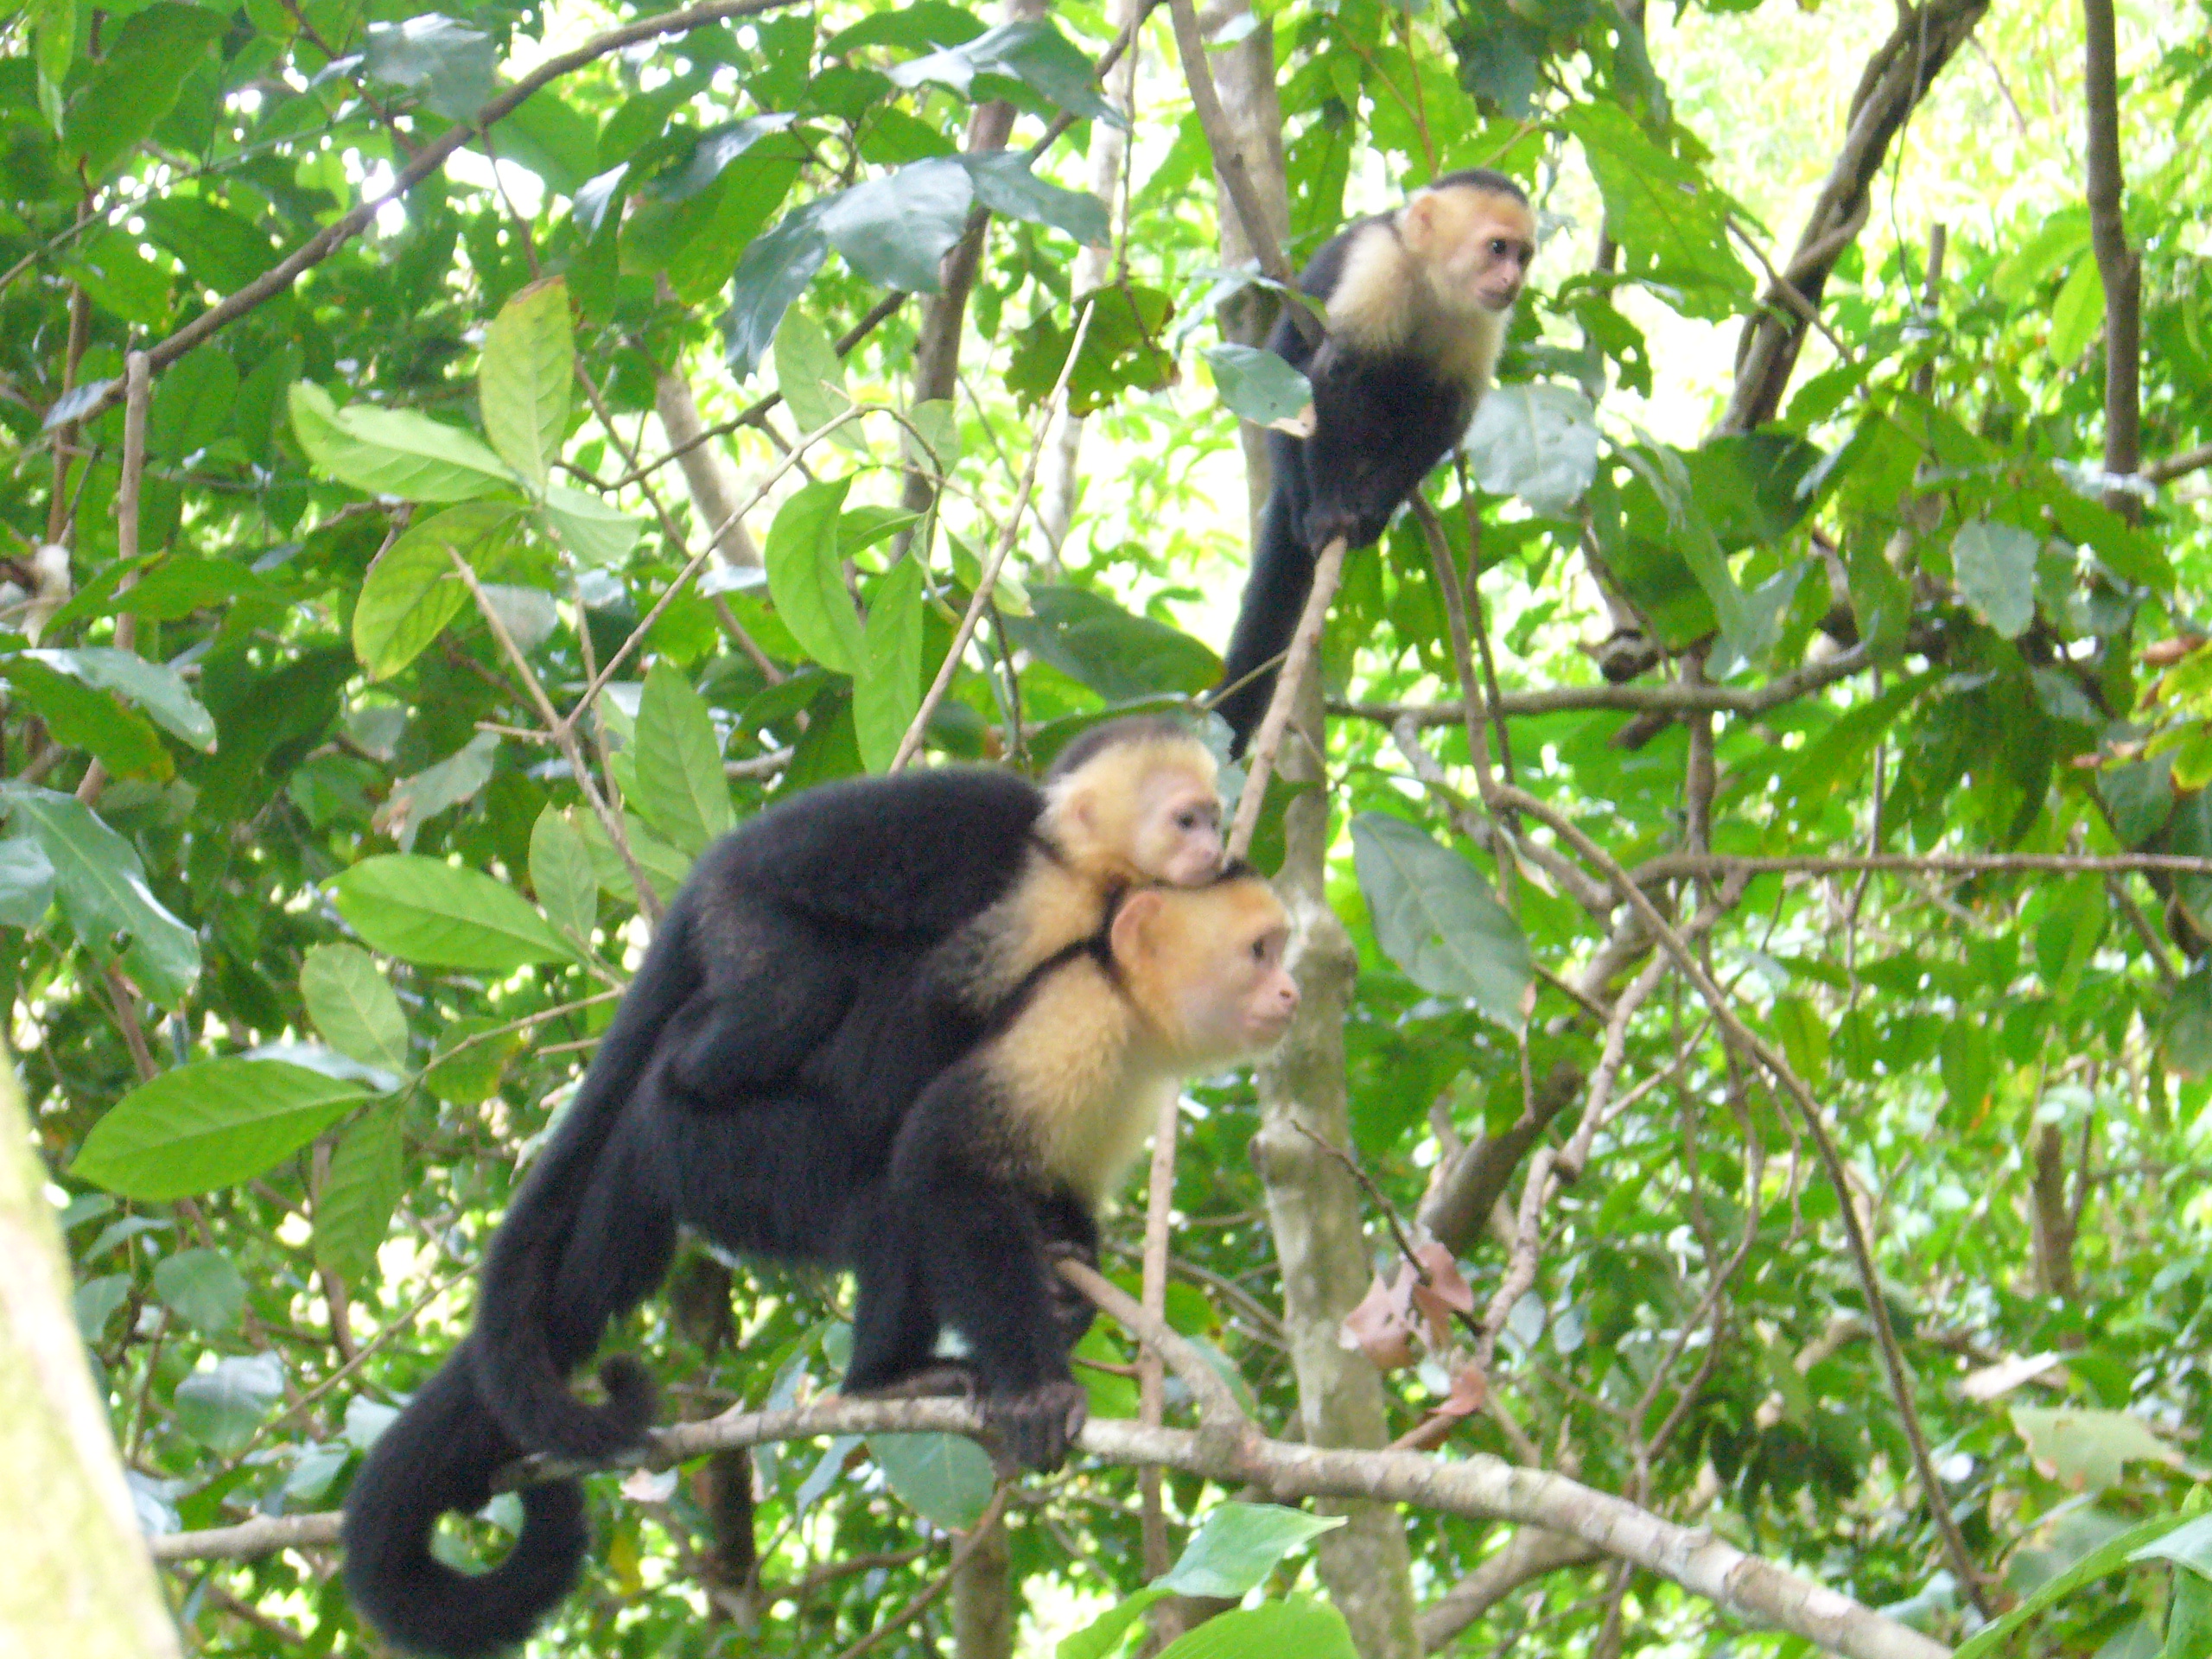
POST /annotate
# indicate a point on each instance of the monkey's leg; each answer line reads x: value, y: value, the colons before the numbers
x: 895, y: 1322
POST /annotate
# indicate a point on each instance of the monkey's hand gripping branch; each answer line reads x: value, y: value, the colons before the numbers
x: 1297, y: 661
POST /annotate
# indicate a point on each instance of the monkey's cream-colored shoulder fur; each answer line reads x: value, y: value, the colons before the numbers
x: 1050, y: 907
x: 1072, y: 1062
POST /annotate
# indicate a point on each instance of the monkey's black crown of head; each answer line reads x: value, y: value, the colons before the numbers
x: 1086, y: 746
x: 1480, y: 178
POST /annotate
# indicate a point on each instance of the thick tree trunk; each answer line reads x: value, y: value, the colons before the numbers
x: 982, y: 1599
x: 79, y: 1581
x: 1313, y: 1205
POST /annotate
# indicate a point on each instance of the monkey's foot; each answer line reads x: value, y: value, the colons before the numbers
x: 1072, y: 1311
x: 1034, y: 1429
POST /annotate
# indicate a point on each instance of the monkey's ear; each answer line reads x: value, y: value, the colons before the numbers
x: 1131, y: 934
x: 1417, y: 221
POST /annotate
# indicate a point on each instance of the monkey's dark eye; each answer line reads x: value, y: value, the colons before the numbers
x: 1259, y: 950
x: 1187, y: 820
x: 1497, y: 246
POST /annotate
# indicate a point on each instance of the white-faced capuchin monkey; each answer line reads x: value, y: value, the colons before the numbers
x: 1006, y: 1157
x: 751, y: 1085
x: 1415, y: 304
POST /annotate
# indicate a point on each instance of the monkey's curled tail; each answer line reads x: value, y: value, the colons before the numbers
x: 439, y: 1457
x: 525, y: 1343
x: 1275, y: 593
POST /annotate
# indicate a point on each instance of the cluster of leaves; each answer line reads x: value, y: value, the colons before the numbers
x: 426, y: 684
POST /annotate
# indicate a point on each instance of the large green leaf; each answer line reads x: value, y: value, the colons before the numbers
x: 1259, y: 385
x: 808, y: 374
x: 354, y: 1007
x: 1669, y: 221
x: 776, y: 268
x: 1004, y: 184
x: 26, y: 882
x: 210, y: 1124
x: 1538, y: 442
x: 946, y: 1479
x: 80, y: 717
x: 594, y: 533
x: 354, y: 1205
x: 393, y: 451
x: 1995, y: 565
x: 413, y: 591
x: 1435, y: 915
x: 453, y: 66
x: 1310, y: 1628
x: 893, y: 230
x: 887, y: 690
x: 560, y: 875
x: 155, y: 687
x: 201, y: 1288
x: 806, y: 575
x: 1120, y: 656
x: 1238, y: 1545
x: 434, y: 914
x: 681, y: 789
x: 102, y: 887
x: 2108, y: 1557
x: 221, y: 1407
x: 523, y: 380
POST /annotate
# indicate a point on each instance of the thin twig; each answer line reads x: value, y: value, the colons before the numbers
x: 910, y: 745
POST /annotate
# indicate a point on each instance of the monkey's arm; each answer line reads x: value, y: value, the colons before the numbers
x: 984, y: 1264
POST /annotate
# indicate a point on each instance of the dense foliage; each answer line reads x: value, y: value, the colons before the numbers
x: 349, y: 754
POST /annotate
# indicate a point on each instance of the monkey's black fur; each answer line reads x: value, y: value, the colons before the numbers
x: 751, y: 1084
x: 1381, y: 422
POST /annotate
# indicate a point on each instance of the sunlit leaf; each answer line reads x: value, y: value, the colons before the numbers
x: 524, y: 379
x: 423, y: 910
x: 210, y: 1124
x: 887, y: 688
x: 681, y: 789
x: 806, y: 575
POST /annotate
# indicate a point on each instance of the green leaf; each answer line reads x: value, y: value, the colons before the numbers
x: 1537, y: 441
x: 806, y: 576
x: 155, y: 687
x: 595, y: 533
x: 1995, y: 565
x: 775, y: 269
x: 808, y: 373
x: 473, y: 1056
x: 102, y: 887
x: 393, y: 451
x: 222, y: 1406
x: 944, y: 1478
x: 1003, y: 183
x: 138, y: 82
x: 82, y: 718
x: 433, y: 914
x: 1120, y: 657
x: 191, y: 405
x: 1103, y: 1636
x: 887, y: 690
x: 1435, y: 915
x: 2189, y: 1545
x: 26, y: 882
x: 2078, y: 314
x: 210, y: 1124
x: 455, y: 66
x: 522, y: 381
x: 1033, y: 52
x: 2086, y: 1450
x: 353, y: 1207
x: 681, y: 788
x: 412, y: 591
x: 1259, y: 385
x: 1670, y: 221
x: 417, y: 798
x: 561, y: 875
x: 663, y: 867
x: 2189, y: 1619
x: 895, y: 229
x: 2108, y: 1557
x: 1804, y: 1037
x: 202, y: 1288
x: 53, y: 26
x: 1309, y: 1629
x: 354, y: 1007
x: 1238, y: 1545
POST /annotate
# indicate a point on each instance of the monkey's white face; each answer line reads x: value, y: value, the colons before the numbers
x: 1245, y: 1004
x: 1179, y: 829
x: 1478, y: 247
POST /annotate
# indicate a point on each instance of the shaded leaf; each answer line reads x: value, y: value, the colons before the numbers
x: 1004, y: 184
x: 1435, y: 915
x: 775, y: 269
x: 895, y: 230
x: 944, y: 1478
x: 202, y: 1288
x: 354, y: 1007
x: 1120, y: 656
x: 102, y: 888
x: 681, y: 789
x: 393, y: 451
x: 1259, y: 385
x: 1239, y: 1544
x: 26, y: 882
x: 156, y: 687
x: 353, y: 1207
x: 806, y: 575
x: 1539, y: 443
x: 222, y: 1406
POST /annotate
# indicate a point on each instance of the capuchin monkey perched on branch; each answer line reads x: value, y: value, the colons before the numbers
x: 821, y: 967
x: 1415, y: 304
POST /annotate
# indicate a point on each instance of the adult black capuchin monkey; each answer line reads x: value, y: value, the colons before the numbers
x: 1415, y: 303
x: 1007, y: 1156
x: 752, y: 1084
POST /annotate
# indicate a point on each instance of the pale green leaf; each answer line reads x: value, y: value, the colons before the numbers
x: 887, y: 690
x: 523, y: 382
x: 354, y: 1006
x: 1995, y: 565
x: 412, y: 591
x: 1436, y: 917
x: 806, y: 576
x: 201, y: 1288
x: 561, y: 875
x: 353, y: 1207
x: 681, y: 788
x: 432, y: 913
x: 211, y: 1124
